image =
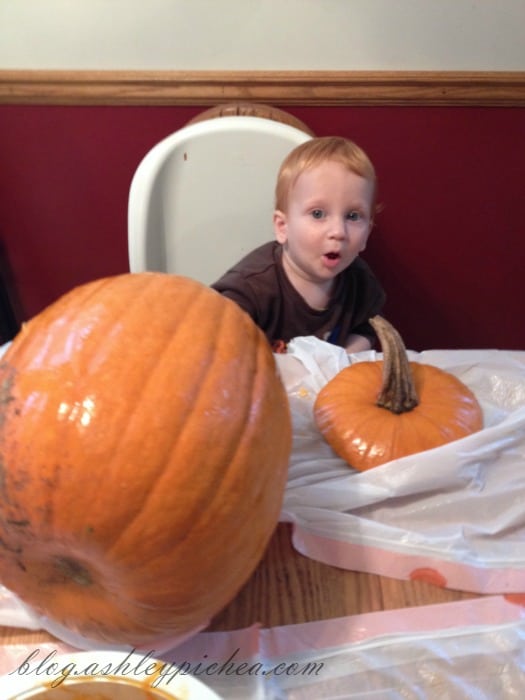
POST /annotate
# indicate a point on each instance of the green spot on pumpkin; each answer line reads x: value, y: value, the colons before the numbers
x: 73, y: 570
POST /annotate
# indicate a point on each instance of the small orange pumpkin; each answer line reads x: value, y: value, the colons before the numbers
x: 144, y: 441
x: 373, y: 412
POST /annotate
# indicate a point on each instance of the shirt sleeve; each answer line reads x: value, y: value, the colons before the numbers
x: 233, y: 286
x: 372, y: 303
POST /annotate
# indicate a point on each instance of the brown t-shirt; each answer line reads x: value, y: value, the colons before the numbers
x: 258, y: 283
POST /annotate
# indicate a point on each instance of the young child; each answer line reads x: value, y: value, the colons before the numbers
x: 311, y: 280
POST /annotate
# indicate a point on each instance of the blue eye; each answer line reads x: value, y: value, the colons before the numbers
x: 317, y: 213
x: 353, y: 216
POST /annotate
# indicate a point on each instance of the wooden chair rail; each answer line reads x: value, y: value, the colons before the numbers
x: 305, y: 88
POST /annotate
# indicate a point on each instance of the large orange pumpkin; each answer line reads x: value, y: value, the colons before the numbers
x: 144, y: 443
x: 374, y: 412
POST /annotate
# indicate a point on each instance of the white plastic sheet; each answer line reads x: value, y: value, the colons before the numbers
x: 453, y: 515
x: 468, y: 650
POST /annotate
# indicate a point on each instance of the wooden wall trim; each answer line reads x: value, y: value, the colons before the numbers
x: 305, y: 88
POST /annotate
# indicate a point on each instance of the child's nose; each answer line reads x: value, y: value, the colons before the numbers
x: 338, y: 227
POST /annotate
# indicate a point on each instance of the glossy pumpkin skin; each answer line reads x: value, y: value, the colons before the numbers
x: 366, y: 435
x: 144, y: 442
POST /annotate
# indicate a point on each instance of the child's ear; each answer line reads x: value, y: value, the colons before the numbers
x: 280, y: 226
x: 365, y: 241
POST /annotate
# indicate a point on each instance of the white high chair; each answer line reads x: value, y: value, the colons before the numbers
x: 203, y: 197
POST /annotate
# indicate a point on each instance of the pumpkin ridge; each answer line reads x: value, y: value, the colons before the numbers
x: 259, y: 365
x: 210, y: 377
x: 204, y: 517
x: 231, y: 456
x: 263, y: 359
x: 156, y: 366
x: 452, y: 432
x: 155, y: 484
x: 222, y: 586
x: 412, y: 435
x: 129, y: 308
x: 466, y: 413
x: 127, y: 296
x: 24, y: 338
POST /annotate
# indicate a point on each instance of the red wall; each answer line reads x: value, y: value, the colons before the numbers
x: 449, y: 245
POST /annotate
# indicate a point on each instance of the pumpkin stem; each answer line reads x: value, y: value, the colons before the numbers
x: 398, y: 392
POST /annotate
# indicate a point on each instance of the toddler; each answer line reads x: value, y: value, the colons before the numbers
x: 311, y: 280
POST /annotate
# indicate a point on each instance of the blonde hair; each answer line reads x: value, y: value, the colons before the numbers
x: 318, y: 150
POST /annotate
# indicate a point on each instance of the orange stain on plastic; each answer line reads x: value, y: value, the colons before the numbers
x: 428, y: 575
x: 516, y: 598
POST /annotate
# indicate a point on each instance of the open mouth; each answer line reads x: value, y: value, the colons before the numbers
x: 332, y: 256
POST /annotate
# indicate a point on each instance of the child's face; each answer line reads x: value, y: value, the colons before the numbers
x: 327, y: 223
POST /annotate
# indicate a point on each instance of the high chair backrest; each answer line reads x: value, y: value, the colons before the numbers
x: 203, y: 197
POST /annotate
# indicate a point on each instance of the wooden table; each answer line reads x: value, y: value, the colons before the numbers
x: 288, y: 588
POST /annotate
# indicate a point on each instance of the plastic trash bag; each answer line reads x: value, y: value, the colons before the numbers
x: 455, y: 651
x: 453, y: 515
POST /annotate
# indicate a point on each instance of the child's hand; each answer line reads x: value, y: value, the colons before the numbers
x: 357, y: 343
